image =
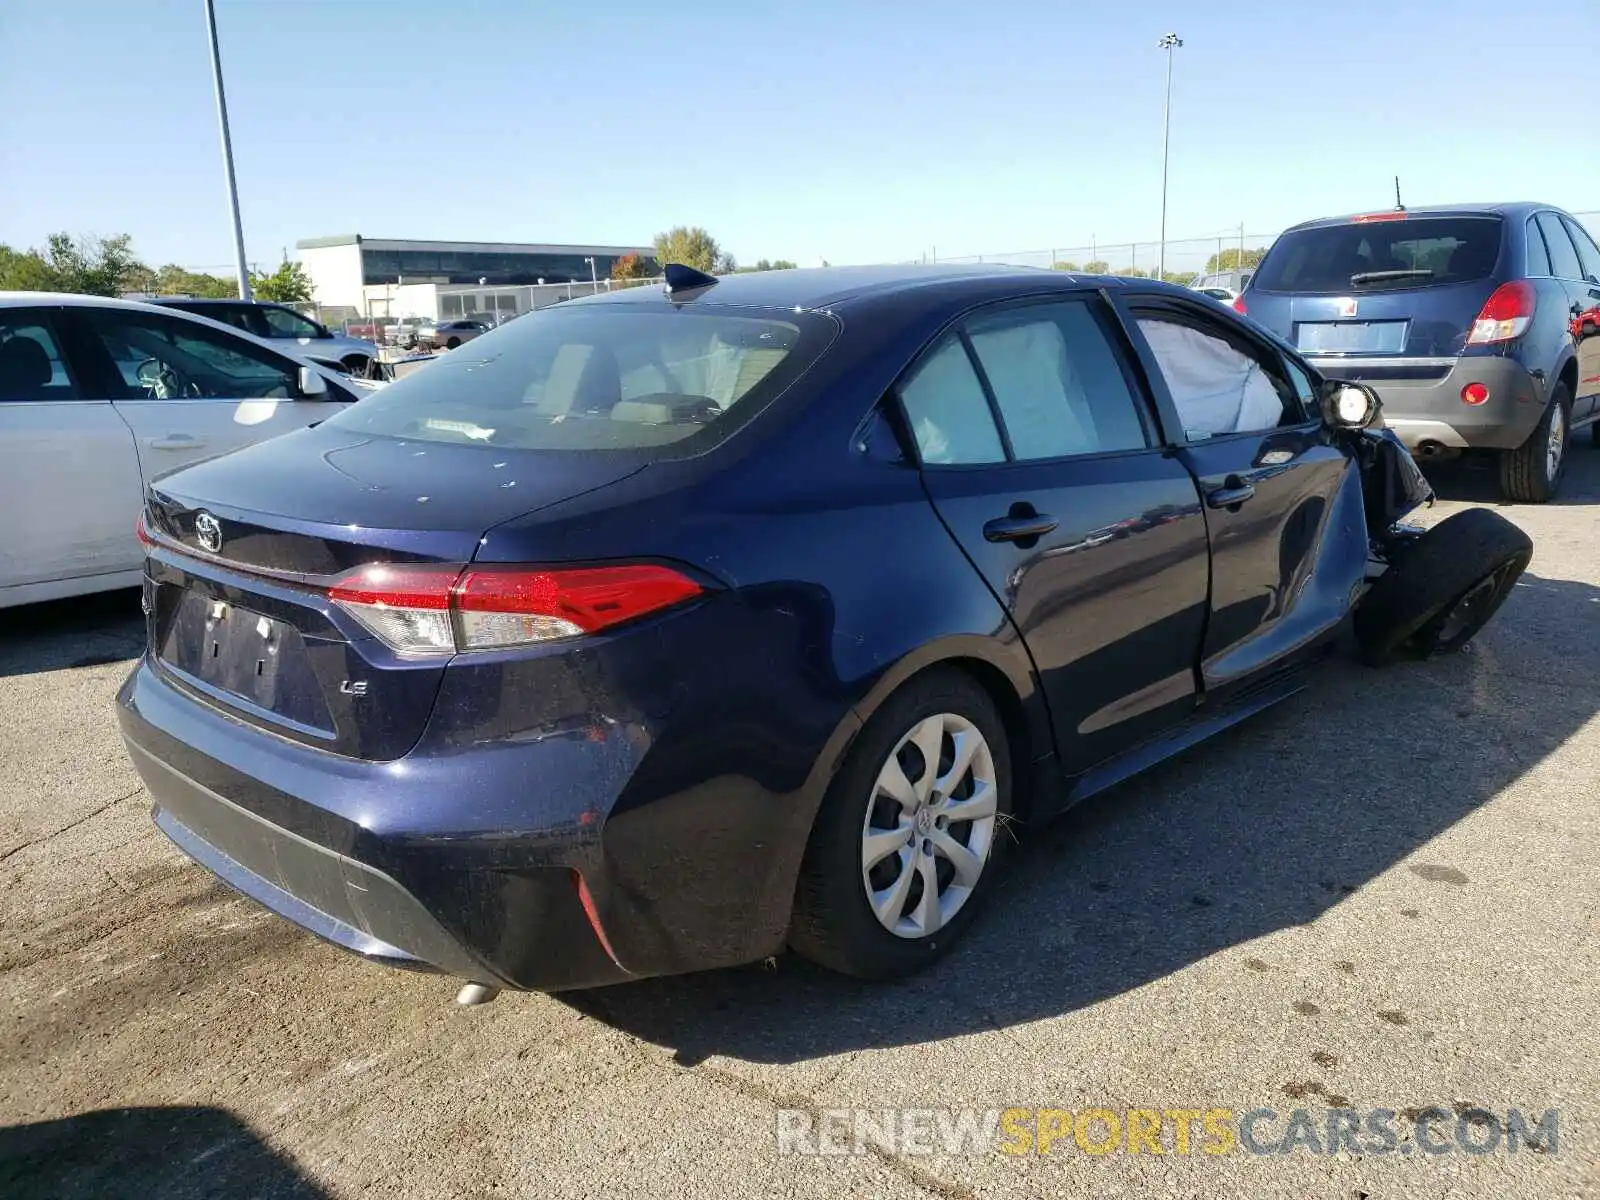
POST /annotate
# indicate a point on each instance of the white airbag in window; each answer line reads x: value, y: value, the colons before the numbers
x: 1216, y: 388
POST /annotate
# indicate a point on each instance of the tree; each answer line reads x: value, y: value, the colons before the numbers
x: 91, y: 265
x: 691, y: 246
x: 173, y: 280
x: 1230, y: 259
x: 1096, y: 266
x: 25, y: 271
x: 287, y: 285
x: 769, y: 264
x: 1066, y: 266
x: 631, y: 266
x: 1181, y: 278
x: 1131, y: 272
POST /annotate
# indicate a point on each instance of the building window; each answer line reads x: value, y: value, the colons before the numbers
x: 503, y: 268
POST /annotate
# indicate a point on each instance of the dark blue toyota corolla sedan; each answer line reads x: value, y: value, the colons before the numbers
x: 660, y: 631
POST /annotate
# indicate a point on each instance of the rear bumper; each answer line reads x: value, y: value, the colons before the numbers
x: 498, y: 907
x: 1427, y: 412
x: 684, y: 818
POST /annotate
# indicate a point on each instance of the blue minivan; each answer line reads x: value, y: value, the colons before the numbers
x: 1478, y: 324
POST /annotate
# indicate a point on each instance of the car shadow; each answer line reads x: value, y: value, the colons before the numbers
x: 86, y: 631
x: 145, y: 1153
x: 1265, y: 828
x: 1474, y: 480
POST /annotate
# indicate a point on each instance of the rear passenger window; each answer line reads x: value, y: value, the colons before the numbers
x: 31, y: 366
x: 1218, y: 386
x: 947, y: 410
x: 1588, y: 253
x: 1056, y: 381
x: 1563, y: 258
x: 1538, y: 257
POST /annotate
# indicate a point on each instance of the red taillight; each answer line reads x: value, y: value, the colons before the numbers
x: 397, y: 585
x: 507, y: 607
x: 142, y: 532
x: 1238, y: 304
x: 1505, y: 315
x: 1475, y: 394
x: 449, y: 609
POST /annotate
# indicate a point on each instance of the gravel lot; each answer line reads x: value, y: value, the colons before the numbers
x: 1384, y: 894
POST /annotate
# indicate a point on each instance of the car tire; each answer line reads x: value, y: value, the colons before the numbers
x: 1532, y: 472
x: 452, y: 343
x: 835, y: 924
x: 1443, y: 588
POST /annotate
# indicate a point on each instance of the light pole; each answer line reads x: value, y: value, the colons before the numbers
x: 227, y: 154
x: 594, y: 276
x: 1169, y: 43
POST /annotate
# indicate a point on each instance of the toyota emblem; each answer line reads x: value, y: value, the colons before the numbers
x: 208, y: 531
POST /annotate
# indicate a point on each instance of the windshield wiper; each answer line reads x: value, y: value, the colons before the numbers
x: 1379, y: 276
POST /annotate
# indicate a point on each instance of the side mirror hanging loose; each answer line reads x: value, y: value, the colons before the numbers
x: 1352, y: 405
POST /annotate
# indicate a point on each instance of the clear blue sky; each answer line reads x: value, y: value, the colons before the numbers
x: 854, y: 130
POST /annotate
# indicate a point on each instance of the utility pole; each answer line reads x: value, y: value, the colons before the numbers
x: 594, y: 276
x: 1169, y: 43
x: 227, y: 154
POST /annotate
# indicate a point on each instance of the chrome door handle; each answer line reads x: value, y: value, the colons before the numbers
x: 1235, y: 494
x: 175, y: 441
x: 1017, y: 529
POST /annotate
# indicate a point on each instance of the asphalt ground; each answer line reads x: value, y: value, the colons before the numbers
x: 1381, y: 895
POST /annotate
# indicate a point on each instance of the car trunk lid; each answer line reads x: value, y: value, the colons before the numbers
x: 239, y: 612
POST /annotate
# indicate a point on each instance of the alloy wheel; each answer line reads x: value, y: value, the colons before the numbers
x: 929, y: 826
x: 1556, y: 444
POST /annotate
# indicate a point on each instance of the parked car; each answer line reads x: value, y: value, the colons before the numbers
x: 1461, y: 317
x: 675, y: 628
x: 447, y: 335
x: 1233, y: 281
x: 404, y: 332
x: 1224, y: 295
x: 100, y: 397
x: 279, y: 322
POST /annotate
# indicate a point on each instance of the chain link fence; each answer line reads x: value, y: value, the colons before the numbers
x: 1185, y: 258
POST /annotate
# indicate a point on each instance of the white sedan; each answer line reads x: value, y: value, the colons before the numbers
x: 97, y: 398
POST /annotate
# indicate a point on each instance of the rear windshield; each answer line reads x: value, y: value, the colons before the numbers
x: 601, y: 377
x: 1381, y: 255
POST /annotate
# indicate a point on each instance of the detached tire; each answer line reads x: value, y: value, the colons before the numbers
x: 1444, y: 589
x: 922, y: 802
x: 1531, y: 473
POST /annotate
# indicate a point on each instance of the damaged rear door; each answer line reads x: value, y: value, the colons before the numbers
x: 1283, y: 502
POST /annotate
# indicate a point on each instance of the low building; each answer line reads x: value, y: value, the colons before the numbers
x: 386, y: 277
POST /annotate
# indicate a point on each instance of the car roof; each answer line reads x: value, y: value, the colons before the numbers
x: 827, y: 287
x: 1507, y: 208
x: 234, y: 301
x: 74, y: 300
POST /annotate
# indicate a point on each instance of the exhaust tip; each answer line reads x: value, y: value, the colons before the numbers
x: 476, y: 993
